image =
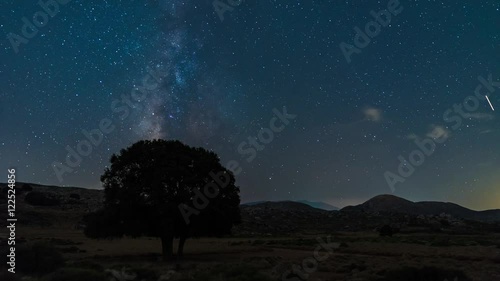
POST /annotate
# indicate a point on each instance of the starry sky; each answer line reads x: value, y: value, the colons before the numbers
x: 219, y: 82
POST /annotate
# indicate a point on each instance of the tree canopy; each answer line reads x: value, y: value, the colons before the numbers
x: 165, y: 189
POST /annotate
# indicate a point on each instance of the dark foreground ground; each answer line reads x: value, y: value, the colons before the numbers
x: 360, y: 256
x: 261, y: 249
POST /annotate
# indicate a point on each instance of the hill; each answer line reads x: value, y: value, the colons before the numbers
x: 392, y: 204
x: 317, y: 205
x: 66, y: 206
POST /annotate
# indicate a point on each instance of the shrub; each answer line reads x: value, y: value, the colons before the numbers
x: 37, y: 198
x: 425, y: 273
x: 444, y: 222
x: 38, y: 258
x: 441, y: 242
x: 76, y: 274
x: 386, y: 230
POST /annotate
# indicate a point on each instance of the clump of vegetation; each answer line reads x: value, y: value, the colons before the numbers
x: 441, y: 242
x: 386, y: 230
x: 76, y: 274
x: 38, y: 258
x: 428, y: 273
x: 37, y: 198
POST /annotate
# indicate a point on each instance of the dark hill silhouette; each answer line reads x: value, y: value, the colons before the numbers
x: 283, y: 206
x: 275, y: 218
x: 394, y: 204
x: 317, y: 205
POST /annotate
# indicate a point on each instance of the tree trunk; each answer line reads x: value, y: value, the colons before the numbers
x: 167, y: 246
x: 180, y: 250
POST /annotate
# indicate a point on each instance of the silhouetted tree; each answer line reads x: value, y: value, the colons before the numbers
x: 168, y: 190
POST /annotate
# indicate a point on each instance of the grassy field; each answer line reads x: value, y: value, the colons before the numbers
x: 360, y: 256
x: 357, y: 256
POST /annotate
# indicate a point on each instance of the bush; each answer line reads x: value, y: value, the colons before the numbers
x: 37, y: 198
x: 76, y: 274
x: 423, y: 274
x: 38, y: 258
x: 441, y: 242
x: 386, y: 230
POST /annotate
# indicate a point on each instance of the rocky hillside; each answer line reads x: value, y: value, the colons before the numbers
x: 281, y: 218
x: 40, y: 205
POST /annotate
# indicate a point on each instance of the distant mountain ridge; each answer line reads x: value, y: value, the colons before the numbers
x: 273, y: 218
x: 394, y: 204
x: 317, y: 205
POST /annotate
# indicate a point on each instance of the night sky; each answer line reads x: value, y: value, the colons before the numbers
x: 218, y: 82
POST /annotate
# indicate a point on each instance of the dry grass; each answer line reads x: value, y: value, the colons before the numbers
x: 362, y: 256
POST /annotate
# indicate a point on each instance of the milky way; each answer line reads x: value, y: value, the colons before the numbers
x: 221, y: 80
